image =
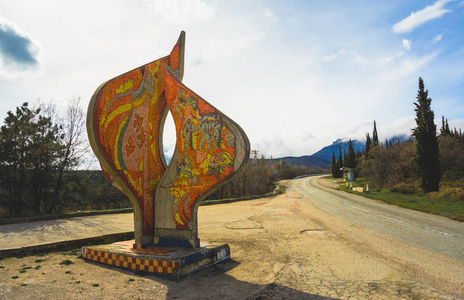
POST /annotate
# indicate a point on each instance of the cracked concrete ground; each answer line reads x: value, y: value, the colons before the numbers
x: 281, y: 248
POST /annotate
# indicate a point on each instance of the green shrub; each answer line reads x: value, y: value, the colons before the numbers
x: 404, y: 188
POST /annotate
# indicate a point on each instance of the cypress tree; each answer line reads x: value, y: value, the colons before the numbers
x: 375, y: 137
x: 358, y: 157
x: 443, y: 126
x: 339, y: 162
x: 351, y: 156
x: 427, y: 156
x: 334, y: 165
x: 444, y: 130
x: 368, y: 144
x: 345, y: 159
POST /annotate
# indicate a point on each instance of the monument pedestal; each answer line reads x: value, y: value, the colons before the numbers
x: 174, y: 262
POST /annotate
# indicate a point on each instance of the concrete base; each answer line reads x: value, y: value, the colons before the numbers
x: 174, y: 262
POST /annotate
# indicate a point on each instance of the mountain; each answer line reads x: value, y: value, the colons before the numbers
x: 311, y: 162
x: 326, y: 152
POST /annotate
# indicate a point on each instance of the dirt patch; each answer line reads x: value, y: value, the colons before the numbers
x: 327, y: 183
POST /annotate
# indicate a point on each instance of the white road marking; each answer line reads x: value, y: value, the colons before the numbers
x: 302, y: 191
x: 378, y: 215
x: 441, y: 232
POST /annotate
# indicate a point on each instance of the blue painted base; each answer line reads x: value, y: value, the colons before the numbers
x: 175, y: 243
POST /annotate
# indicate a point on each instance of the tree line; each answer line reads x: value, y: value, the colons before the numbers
x: 258, y: 176
x: 43, y: 157
x: 415, y: 165
x: 41, y: 154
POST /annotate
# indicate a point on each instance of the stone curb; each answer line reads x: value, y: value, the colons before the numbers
x: 64, y: 216
x: 212, y: 202
x: 67, y: 245
x: 115, y: 211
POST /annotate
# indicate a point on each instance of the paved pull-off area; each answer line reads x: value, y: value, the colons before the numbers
x: 51, y: 231
x: 298, y: 245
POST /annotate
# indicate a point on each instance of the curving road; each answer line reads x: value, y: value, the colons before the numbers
x: 429, y: 232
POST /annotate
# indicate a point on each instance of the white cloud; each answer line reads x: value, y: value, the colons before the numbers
x: 353, y: 56
x: 420, y: 17
x: 20, y: 54
x: 270, y: 16
x: 437, y: 38
x: 407, y: 44
x: 454, y: 123
x: 386, y: 60
x: 181, y: 11
x: 290, y: 87
x: 329, y: 57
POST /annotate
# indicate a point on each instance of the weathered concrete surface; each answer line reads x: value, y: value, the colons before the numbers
x: 50, y: 231
x: 282, y: 247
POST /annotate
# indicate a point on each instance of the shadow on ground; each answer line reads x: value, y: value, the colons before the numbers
x: 214, y: 283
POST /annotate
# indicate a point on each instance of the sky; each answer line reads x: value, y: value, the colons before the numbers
x: 295, y: 75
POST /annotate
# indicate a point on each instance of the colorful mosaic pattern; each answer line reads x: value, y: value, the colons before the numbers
x: 129, y: 262
x: 174, y: 262
x: 206, y: 149
x: 125, y: 122
x: 127, y: 114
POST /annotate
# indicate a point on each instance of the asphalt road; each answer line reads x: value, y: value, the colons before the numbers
x: 429, y: 232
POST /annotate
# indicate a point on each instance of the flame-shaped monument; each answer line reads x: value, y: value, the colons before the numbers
x: 125, y: 124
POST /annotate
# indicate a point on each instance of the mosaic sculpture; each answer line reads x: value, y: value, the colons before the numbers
x: 125, y: 124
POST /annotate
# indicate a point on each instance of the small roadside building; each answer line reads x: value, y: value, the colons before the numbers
x: 348, y: 173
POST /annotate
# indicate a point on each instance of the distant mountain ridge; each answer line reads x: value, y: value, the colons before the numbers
x: 309, y: 161
x: 323, y: 158
x: 326, y: 152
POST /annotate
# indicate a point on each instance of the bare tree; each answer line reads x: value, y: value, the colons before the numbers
x: 75, y: 146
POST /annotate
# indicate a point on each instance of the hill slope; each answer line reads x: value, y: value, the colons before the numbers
x: 311, y: 162
x: 326, y: 152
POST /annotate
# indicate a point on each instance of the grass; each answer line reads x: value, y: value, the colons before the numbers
x: 448, y: 202
x: 66, y: 262
x: 23, y: 269
x: 281, y: 187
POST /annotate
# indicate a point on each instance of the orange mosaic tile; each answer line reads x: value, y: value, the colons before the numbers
x: 137, y: 264
x: 175, y: 262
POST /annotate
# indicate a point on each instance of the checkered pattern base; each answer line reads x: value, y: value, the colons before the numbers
x: 129, y: 262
